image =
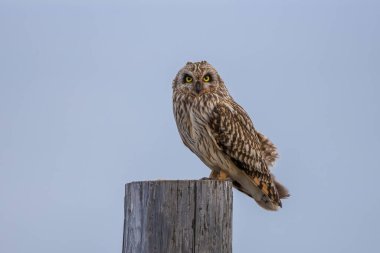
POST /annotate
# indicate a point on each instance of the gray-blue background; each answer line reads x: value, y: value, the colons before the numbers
x: 85, y: 106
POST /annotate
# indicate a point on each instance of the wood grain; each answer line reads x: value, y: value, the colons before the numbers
x: 184, y: 216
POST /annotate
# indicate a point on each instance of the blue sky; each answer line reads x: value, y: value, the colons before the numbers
x: 85, y: 107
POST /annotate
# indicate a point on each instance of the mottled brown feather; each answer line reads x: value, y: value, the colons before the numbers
x: 242, y: 148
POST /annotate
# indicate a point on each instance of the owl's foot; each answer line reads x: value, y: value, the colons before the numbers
x: 219, y: 175
x: 206, y: 178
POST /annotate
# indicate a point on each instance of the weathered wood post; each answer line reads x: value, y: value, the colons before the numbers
x: 178, y: 217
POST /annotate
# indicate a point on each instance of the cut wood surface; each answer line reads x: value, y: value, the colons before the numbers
x: 182, y: 216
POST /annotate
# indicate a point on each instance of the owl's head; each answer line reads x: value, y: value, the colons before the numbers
x: 197, y: 79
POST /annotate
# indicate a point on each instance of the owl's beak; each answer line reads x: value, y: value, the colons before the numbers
x: 198, y: 87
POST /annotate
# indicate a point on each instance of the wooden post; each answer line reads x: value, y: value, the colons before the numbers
x: 178, y: 217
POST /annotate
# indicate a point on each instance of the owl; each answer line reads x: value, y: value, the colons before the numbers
x: 218, y: 130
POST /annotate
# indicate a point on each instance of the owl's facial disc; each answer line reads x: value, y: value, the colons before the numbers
x: 197, y: 79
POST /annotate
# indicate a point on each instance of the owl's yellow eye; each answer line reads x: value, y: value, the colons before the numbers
x: 188, y: 79
x: 206, y: 78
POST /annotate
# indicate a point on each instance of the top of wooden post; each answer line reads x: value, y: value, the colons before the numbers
x: 206, y: 181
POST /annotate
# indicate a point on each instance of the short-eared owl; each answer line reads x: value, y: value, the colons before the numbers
x: 218, y: 130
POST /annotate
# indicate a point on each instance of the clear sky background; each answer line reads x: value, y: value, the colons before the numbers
x: 85, y: 107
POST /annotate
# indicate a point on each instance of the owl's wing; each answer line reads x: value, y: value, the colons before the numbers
x: 235, y: 135
x: 268, y: 149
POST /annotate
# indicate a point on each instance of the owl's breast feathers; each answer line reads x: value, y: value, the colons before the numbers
x: 181, y: 108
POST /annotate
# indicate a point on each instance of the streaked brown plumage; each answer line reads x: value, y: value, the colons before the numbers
x: 218, y: 130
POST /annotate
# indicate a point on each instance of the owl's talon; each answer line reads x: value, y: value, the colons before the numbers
x: 205, y: 178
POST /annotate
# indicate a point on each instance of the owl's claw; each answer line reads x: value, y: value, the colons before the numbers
x: 206, y: 178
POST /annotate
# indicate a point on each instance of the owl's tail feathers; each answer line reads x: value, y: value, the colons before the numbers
x: 268, y: 204
x: 283, y: 193
x: 261, y: 199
